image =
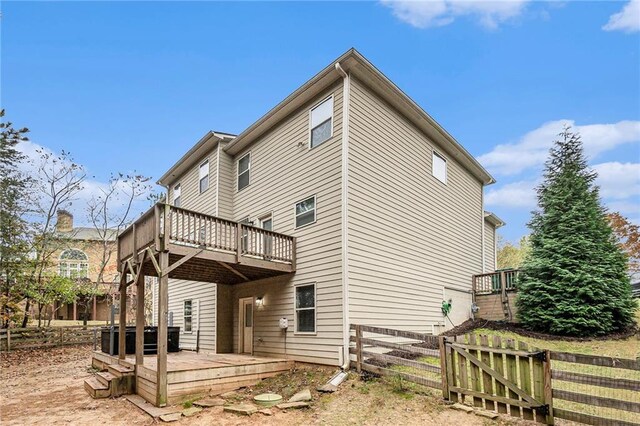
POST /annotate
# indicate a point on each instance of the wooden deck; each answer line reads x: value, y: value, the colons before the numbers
x: 202, y: 247
x: 191, y: 374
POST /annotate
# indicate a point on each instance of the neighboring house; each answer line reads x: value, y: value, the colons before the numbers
x: 386, y: 208
x: 81, y: 259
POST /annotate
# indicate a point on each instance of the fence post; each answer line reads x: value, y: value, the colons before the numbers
x: 61, y: 335
x: 8, y: 340
x: 443, y: 367
x: 358, y: 348
x: 548, y: 389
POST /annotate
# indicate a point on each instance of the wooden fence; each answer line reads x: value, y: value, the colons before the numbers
x: 34, y: 338
x: 505, y: 375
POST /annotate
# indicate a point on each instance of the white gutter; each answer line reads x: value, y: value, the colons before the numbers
x: 346, y: 90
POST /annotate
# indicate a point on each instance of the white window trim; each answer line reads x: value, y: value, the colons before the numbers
x: 184, y: 328
x: 437, y: 154
x: 315, y: 310
x: 177, y: 186
x: 315, y: 211
x: 79, y: 265
x: 207, y: 175
x: 332, y: 120
x: 246, y: 171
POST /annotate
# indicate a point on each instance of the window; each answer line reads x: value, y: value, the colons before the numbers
x: 73, y: 264
x: 204, y: 176
x: 321, y: 122
x: 244, y: 167
x: 176, y: 195
x: 306, y: 212
x: 188, y: 315
x: 439, y: 167
x: 306, y: 308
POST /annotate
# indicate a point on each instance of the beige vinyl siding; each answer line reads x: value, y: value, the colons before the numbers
x: 489, y: 247
x: 284, y: 171
x: 226, y: 181
x: 224, y: 319
x: 190, y: 196
x: 203, y: 297
x: 410, y: 235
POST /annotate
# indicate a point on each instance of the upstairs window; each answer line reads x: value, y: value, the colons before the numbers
x: 306, y: 308
x: 244, y: 170
x: 188, y: 315
x: 176, y: 195
x: 321, y: 122
x: 204, y: 176
x: 439, y: 167
x: 306, y: 212
x: 74, y: 263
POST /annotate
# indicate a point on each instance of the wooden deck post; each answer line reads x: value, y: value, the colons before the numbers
x: 140, y: 318
x: 123, y: 316
x: 238, y: 242
x: 163, y: 307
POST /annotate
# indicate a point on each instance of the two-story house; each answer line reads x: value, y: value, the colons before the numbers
x: 385, y: 205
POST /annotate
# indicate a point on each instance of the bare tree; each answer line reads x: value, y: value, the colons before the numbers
x: 59, y: 180
x: 110, y: 212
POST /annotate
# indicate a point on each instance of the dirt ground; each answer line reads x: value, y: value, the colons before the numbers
x: 46, y: 387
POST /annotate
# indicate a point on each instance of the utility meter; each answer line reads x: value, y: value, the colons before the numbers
x: 284, y: 323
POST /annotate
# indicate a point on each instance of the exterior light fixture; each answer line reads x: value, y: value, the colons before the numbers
x: 259, y: 302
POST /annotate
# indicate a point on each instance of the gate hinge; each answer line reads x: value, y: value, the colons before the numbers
x: 540, y: 356
x: 543, y: 409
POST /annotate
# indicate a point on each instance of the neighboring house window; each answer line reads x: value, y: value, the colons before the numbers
x: 306, y: 308
x: 188, y: 315
x: 439, y: 167
x: 306, y: 212
x: 176, y: 195
x: 322, y: 122
x: 74, y: 263
x: 204, y: 176
x: 244, y: 169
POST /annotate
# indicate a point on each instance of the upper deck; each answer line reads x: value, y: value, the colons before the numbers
x: 203, y: 247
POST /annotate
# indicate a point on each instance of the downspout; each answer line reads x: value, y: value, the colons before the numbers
x: 483, y: 269
x: 346, y: 89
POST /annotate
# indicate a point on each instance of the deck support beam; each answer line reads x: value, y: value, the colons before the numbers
x: 123, y: 317
x: 163, y: 307
x: 140, y: 318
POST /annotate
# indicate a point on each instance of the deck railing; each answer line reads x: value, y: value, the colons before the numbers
x: 199, y: 230
x: 492, y: 282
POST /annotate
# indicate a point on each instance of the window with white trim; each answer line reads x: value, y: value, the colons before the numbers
x: 306, y: 212
x: 439, y: 167
x: 244, y: 170
x: 176, y: 195
x: 204, y: 176
x: 306, y: 308
x: 74, y: 263
x: 187, y: 314
x: 321, y: 122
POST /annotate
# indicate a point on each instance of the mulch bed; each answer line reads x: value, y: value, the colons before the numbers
x: 471, y: 325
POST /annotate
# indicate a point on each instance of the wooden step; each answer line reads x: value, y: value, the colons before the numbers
x: 96, y: 389
x: 105, y: 378
x: 120, y: 370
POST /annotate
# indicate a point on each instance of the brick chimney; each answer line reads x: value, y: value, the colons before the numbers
x: 65, y: 221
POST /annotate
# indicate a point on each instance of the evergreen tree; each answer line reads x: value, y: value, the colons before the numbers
x: 574, y: 279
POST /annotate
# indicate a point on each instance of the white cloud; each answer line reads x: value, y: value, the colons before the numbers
x: 437, y: 13
x: 627, y: 20
x: 532, y: 149
x: 519, y: 194
x: 618, y: 181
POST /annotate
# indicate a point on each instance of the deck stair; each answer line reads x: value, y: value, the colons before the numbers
x: 115, y: 381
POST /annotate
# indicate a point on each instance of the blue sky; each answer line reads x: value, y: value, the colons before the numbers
x: 132, y: 86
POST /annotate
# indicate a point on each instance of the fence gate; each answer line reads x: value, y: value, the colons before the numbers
x: 499, y: 375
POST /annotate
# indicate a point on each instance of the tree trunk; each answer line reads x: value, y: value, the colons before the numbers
x: 25, y: 319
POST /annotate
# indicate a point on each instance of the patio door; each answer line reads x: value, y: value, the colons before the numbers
x: 267, y: 241
x: 246, y: 326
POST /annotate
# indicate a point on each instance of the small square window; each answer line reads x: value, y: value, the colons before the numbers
x: 176, y: 195
x: 439, y: 167
x: 244, y: 170
x: 321, y: 122
x: 306, y: 212
x: 204, y: 176
x: 306, y: 308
